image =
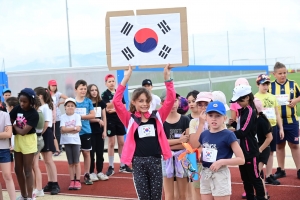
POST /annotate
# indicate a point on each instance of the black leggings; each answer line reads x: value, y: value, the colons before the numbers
x: 147, y: 177
x: 251, y: 179
x: 58, y: 133
x: 98, y: 148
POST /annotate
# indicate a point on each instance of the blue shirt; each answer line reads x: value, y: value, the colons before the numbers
x: 220, y: 141
x: 84, y: 108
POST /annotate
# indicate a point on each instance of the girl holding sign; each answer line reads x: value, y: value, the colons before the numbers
x: 146, y: 140
x: 98, y: 126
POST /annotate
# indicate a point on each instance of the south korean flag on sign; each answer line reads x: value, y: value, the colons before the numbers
x: 145, y: 39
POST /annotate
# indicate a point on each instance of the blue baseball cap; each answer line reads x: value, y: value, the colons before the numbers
x: 29, y: 92
x: 216, y: 106
x: 6, y: 90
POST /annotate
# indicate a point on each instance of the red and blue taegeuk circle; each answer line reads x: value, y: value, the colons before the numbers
x: 145, y: 40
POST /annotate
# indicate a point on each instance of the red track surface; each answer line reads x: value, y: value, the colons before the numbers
x: 121, y: 185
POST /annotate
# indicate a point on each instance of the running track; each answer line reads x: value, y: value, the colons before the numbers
x: 121, y: 185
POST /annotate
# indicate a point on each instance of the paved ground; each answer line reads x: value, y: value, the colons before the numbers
x: 289, y: 164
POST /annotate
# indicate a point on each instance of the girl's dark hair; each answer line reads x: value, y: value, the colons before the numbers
x: 88, y: 94
x: 262, y: 115
x: 251, y: 100
x: 136, y: 94
x: 31, y: 100
x: 193, y: 93
x: 51, y: 91
x: 37, y: 102
x: 46, y: 96
x: 12, y: 101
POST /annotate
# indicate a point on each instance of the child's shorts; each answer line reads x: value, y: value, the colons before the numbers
x: 215, y: 183
x: 164, y: 172
x: 26, y: 144
x: 264, y: 155
x: 73, y: 153
x: 48, y: 137
x: 4, y: 155
x: 196, y: 184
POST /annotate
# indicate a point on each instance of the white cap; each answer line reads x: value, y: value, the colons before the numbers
x: 70, y: 100
x: 240, y: 91
x: 220, y: 96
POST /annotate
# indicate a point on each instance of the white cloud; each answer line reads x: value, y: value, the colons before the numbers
x: 37, y: 29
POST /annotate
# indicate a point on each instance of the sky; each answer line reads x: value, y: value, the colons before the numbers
x: 37, y: 30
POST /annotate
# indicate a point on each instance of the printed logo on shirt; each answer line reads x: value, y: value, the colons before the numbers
x: 291, y: 90
x: 146, y: 130
x: 175, y: 133
x: 71, y: 123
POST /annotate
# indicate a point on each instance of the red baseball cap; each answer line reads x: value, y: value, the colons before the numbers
x: 52, y: 82
x: 109, y: 76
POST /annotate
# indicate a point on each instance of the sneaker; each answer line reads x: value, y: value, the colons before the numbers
x: 38, y: 193
x: 20, y: 198
x: 125, y: 169
x: 244, y: 195
x: 279, y: 173
x: 110, y: 171
x: 77, y: 185
x: 298, y: 174
x: 93, y: 177
x: 55, y: 189
x: 272, y: 180
x: 48, y: 187
x: 71, y: 186
x: 87, y: 179
x: 102, y: 176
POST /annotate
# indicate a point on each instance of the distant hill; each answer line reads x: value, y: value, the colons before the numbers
x: 78, y: 60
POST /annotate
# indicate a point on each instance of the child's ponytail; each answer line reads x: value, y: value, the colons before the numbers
x: 46, y: 96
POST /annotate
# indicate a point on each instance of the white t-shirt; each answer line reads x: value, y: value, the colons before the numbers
x: 47, y: 112
x: 56, y: 98
x: 70, y: 121
x: 155, y: 102
x: 4, y: 121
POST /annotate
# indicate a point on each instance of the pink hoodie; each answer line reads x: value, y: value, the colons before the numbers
x: 132, y: 121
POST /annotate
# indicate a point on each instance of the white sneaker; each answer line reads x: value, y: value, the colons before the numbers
x: 102, y: 176
x: 38, y: 193
x: 20, y: 198
x: 93, y: 177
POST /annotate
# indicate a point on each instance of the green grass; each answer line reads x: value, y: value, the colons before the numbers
x: 296, y: 78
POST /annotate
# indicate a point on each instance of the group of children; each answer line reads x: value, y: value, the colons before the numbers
x: 31, y: 124
x: 157, y: 128
x: 259, y: 125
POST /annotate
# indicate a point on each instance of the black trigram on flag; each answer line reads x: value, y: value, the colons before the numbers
x: 164, y: 27
x: 126, y: 28
x: 127, y: 53
x: 164, y: 52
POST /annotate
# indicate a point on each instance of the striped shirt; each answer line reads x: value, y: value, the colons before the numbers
x: 285, y: 92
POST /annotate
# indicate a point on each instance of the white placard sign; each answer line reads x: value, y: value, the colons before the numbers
x: 152, y: 38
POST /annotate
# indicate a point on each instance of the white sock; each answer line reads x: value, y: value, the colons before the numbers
x: 121, y: 164
x: 111, y: 161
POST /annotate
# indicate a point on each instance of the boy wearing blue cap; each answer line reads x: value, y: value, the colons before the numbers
x: 217, y: 145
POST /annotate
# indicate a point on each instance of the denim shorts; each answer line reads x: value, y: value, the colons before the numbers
x: 5, y: 156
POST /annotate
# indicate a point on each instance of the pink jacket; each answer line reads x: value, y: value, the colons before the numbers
x: 132, y: 121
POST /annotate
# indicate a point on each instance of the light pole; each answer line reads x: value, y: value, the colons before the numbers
x: 69, y: 44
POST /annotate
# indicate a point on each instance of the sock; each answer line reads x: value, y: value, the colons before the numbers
x: 78, y: 180
x: 111, y: 161
x: 50, y: 183
x: 54, y: 183
x: 121, y: 164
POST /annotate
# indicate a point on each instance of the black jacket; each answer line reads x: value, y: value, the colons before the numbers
x: 247, y: 132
